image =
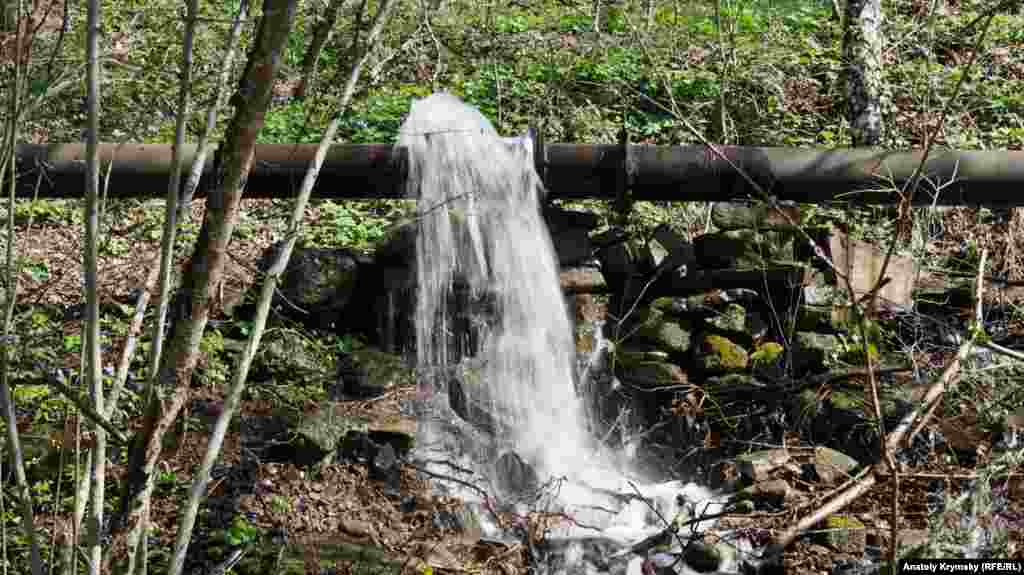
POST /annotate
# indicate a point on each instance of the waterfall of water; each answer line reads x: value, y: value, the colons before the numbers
x: 488, y: 289
x: 482, y: 238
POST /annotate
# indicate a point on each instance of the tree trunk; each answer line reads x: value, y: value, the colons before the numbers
x: 862, y: 54
x: 8, y: 15
x: 206, y: 266
x: 321, y: 34
x: 93, y: 363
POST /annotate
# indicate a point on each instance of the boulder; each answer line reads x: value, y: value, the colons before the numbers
x: 285, y: 356
x: 367, y: 373
x: 317, y: 284
x: 514, y: 475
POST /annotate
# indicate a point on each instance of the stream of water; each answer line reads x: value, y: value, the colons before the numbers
x: 491, y: 319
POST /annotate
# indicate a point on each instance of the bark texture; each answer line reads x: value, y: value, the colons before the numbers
x: 207, y: 264
x: 862, y: 54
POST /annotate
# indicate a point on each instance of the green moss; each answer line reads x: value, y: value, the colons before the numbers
x: 843, y: 522
x: 724, y: 353
x: 767, y: 353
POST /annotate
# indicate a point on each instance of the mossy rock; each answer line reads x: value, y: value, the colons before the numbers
x: 718, y: 353
x: 287, y: 356
x: 656, y: 329
x: 319, y: 434
x: 370, y: 372
x: 649, y: 375
x: 843, y: 419
x: 627, y: 357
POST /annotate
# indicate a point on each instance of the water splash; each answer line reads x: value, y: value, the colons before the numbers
x: 488, y: 290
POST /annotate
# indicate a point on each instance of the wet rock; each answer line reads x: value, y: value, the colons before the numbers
x: 513, y: 475
x: 736, y: 215
x: 718, y: 353
x: 701, y: 557
x: 833, y: 466
x: 758, y: 466
x: 368, y: 372
x: 845, y: 534
x: 467, y: 395
x: 383, y: 466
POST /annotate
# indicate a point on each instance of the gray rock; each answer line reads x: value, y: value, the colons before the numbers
x: 513, y: 475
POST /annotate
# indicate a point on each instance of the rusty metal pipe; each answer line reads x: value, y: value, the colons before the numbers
x: 670, y: 173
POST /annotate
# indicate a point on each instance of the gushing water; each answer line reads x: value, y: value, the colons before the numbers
x: 488, y: 290
x: 482, y: 238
